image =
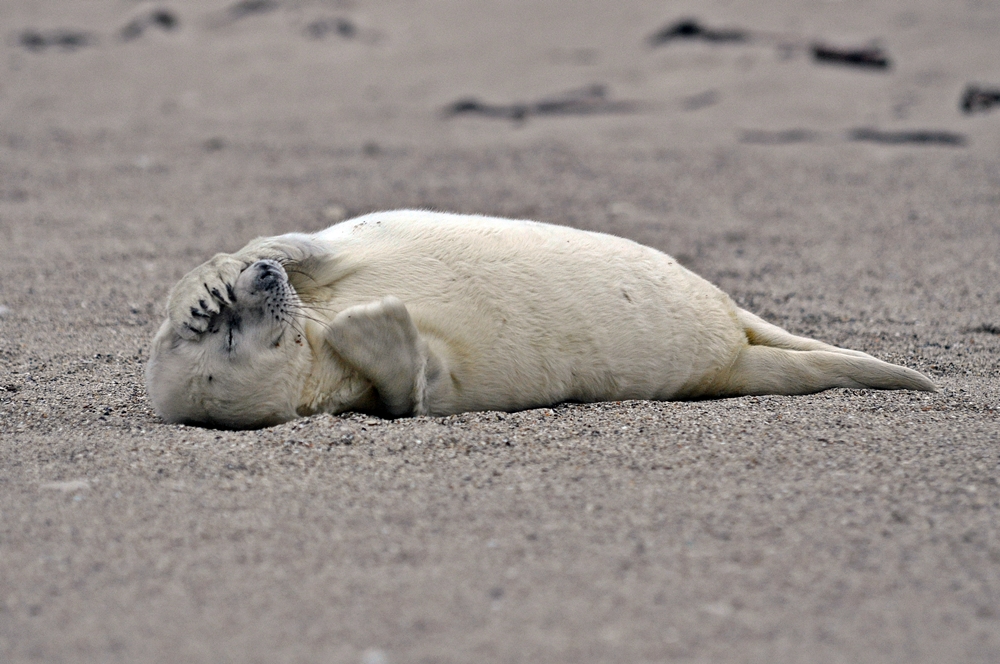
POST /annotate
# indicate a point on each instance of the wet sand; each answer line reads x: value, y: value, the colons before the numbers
x: 855, y: 204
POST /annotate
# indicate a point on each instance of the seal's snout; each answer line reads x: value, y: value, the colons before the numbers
x: 269, y: 275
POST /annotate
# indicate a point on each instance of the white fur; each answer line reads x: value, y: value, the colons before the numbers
x: 414, y: 312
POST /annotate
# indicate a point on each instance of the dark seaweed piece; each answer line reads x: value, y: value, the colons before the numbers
x: 68, y: 40
x: 919, y: 137
x: 241, y: 10
x: 164, y: 18
x: 591, y: 99
x: 161, y: 18
x: 978, y: 99
x: 689, y: 28
x: 32, y: 40
x: 585, y: 101
x: 987, y: 328
x: 322, y: 27
x: 476, y: 107
x: 248, y: 7
x: 132, y: 29
x: 784, y: 137
x: 870, y: 56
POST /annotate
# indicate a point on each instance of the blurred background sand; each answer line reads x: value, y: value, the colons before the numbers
x: 857, y: 205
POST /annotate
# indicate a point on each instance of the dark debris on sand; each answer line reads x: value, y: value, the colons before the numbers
x: 322, y: 28
x: 976, y: 99
x: 240, y: 10
x: 690, y: 29
x: 871, y: 57
x: 163, y: 19
x: 986, y: 328
x: 782, y: 137
x: 917, y: 137
x: 249, y: 7
x: 590, y: 100
x: 66, y: 40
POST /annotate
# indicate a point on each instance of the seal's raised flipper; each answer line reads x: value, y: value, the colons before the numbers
x: 204, y: 291
x: 202, y: 294
x: 382, y: 343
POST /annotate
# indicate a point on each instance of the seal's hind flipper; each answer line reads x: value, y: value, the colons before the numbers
x: 779, y: 362
x: 761, y: 333
x: 769, y: 370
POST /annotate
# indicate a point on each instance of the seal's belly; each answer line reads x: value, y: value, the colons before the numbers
x: 525, y: 314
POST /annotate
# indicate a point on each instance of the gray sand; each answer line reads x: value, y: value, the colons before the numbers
x: 848, y: 526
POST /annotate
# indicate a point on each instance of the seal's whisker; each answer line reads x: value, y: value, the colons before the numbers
x: 295, y: 327
x: 322, y: 309
x: 312, y: 318
x: 315, y: 319
x: 315, y: 306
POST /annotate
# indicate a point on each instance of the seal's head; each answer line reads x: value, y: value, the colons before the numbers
x: 246, y: 370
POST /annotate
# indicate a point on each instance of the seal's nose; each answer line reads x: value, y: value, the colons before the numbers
x: 268, y: 275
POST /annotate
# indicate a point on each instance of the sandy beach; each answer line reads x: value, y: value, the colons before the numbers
x: 849, y: 199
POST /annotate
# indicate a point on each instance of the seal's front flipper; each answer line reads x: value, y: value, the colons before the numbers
x: 382, y: 343
x: 209, y: 288
x: 202, y: 294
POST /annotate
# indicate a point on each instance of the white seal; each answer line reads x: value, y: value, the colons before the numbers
x: 414, y: 312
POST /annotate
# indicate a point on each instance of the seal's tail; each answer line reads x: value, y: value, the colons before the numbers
x: 777, y: 362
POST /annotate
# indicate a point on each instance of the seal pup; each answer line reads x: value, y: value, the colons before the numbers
x: 414, y: 312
